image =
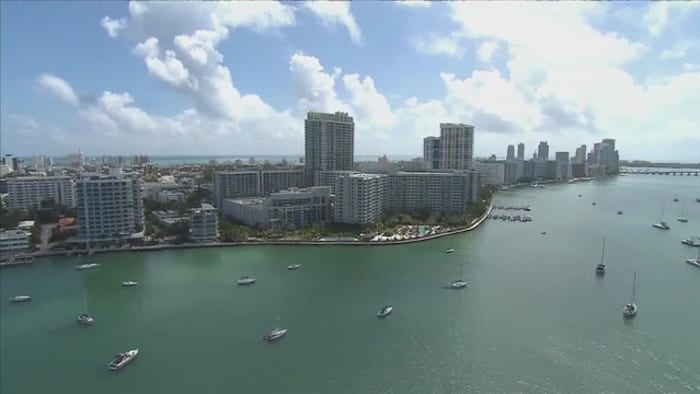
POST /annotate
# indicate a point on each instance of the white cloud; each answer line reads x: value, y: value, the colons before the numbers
x: 113, y: 26
x: 21, y: 133
x: 440, y: 45
x: 58, y: 87
x: 369, y: 106
x: 413, y: 3
x: 314, y: 87
x: 168, y: 68
x: 486, y: 51
x: 678, y: 50
x: 659, y: 12
x: 334, y: 13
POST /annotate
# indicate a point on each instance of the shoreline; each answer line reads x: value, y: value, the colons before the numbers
x: 471, y: 227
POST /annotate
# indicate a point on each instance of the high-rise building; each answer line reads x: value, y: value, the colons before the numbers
x: 204, y: 223
x: 449, y: 192
x: 521, y: 151
x: 360, y: 198
x: 431, y: 152
x: 492, y: 173
x: 329, y: 143
x: 543, y: 150
x: 456, y: 146
x: 330, y: 178
x: 108, y: 206
x: 29, y: 191
x: 580, y: 156
x: 510, y: 155
x: 562, y: 165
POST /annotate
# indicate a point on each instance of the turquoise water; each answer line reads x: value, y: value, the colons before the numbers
x: 533, y: 319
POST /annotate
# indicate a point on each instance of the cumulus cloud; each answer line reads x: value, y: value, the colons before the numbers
x: 113, y: 26
x: 58, y: 87
x: 413, y: 3
x: 659, y: 12
x: 333, y: 13
x: 486, y: 51
x: 439, y: 45
x: 313, y: 85
x: 678, y: 50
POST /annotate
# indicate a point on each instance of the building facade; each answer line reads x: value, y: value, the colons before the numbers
x: 510, y: 153
x: 449, y: 192
x: 29, y: 191
x: 543, y: 150
x: 235, y: 184
x: 108, y: 206
x: 492, y: 173
x: 521, y: 151
x: 13, y: 242
x: 360, y: 198
x: 329, y: 143
x: 295, y: 208
x: 456, y: 146
x: 204, y: 224
x: 330, y: 178
x: 431, y: 152
x: 562, y: 165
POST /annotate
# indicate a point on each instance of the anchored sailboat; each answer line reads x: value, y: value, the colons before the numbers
x: 681, y: 217
x: 600, y: 268
x: 84, y: 318
x: 661, y: 224
x: 630, y: 309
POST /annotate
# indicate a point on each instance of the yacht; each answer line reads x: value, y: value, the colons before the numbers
x: 600, y: 268
x: 130, y: 283
x: 681, y: 217
x: 694, y: 261
x: 675, y: 199
x: 87, y: 266
x: 661, y: 224
x: 692, y: 241
x: 450, y: 250
x: 275, y: 334
x: 619, y: 212
x: 84, y: 319
x: 592, y: 203
x: 459, y: 283
x: 294, y: 266
x: 385, y: 311
x: 630, y: 310
x: 20, y: 298
x: 120, y: 360
x: 246, y: 280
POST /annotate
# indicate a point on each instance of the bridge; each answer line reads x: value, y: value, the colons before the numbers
x: 649, y: 171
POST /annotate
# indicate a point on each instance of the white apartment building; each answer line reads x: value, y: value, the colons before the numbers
x: 108, y: 206
x: 294, y: 208
x: 204, y: 224
x: 449, y: 192
x: 234, y: 184
x: 28, y: 191
x: 329, y: 143
x: 431, y: 152
x: 13, y: 242
x: 360, y: 198
x: 456, y: 146
x: 330, y: 178
x: 492, y: 173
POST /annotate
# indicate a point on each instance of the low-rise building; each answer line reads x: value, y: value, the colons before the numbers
x: 492, y: 173
x: 13, y: 242
x: 29, y: 191
x: 360, y: 198
x: 204, y: 224
x: 234, y: 184
x: 166, y: 196
x: 295, y: 208
x: 169, y: 218
x: 449, y: 192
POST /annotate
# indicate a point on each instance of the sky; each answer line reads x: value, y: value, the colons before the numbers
x: 237, y: 78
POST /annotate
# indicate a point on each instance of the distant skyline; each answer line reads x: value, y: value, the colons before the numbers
x: 236, y: 79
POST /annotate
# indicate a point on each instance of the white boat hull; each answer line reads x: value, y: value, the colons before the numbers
x: 458, y: 284
x: 386, y: 311
x: 86, y: 266
x: 275, y: 334
x: 245, y: 282
x: 129, y: 283
x: 630, y: 312
x: 20, y: 298
x: 695, y: 262
x: 130, y: 355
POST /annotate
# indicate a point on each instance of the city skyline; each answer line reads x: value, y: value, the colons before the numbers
x: 178, y: 92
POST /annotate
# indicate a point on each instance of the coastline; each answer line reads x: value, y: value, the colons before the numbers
x: 456, y: 231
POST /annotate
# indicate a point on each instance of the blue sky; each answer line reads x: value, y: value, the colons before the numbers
x: 237, y: 78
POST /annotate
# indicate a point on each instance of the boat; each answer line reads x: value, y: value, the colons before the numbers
x: 579, y: 195
x: 246, y: 280
x: 619, y: 212
x: 20, y: 298
x: 130, y: 283
x: 459, y: 283
x: 592, y: 203
x: 630, y: 310
x: 681, y: 217
x: 87, y: 266
x: 84, y: 318
x: 661, y: 224
x: 675, y: 199
x: 600, y: 268
x: 293, y: 266
x: 697, y: 200
x: 275, y: 334
x: 694, y: 261
x: 120, y: 360
x: 692, y: 241
x: 543, y: 233
x: 385, y: 311
x: 450, y: 250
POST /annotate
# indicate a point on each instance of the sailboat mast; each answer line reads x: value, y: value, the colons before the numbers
x: 602, y: 254
x: 85, y: 301
x: 634, y: 287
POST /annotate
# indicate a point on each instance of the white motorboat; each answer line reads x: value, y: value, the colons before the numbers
x: 385, y: 311
x: 694, y: 261
x: 85, y: 320
x: 458, y: 284
x: 120, y: 360
x: 630, y: 310
x: 246, y: 280
x: 661, y: 224
x: 86, y: 266
x: 293, y: 266
x: 130, y: 283
x: 692, y: 241
x: 275, y: 334
x: 20, y: 298
x: 600, y: 268
x: 450, y: 250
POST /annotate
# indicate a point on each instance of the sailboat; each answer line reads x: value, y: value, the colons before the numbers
x: 681, y: 217
x: 694, y: 261
x: 84, y: 318
x: 87, y: 266
x: 459, y: 283
x: 661, y: 224
x: 246, y: 280
x: 630, y: 309
x: 600, y: 268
